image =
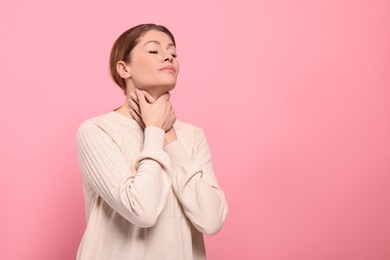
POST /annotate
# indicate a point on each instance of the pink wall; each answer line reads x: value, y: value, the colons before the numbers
x: 294, y: 97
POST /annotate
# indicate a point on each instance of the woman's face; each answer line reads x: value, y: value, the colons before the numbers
x: 153, y: 65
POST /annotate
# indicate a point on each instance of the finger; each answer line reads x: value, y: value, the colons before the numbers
x: 137, y: 118
x: 166, y: 96
x: 149, y: 97
x: 135, y: 106
x: 141, y: 97
x: 134, y: 97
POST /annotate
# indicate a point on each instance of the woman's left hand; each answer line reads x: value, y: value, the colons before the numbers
x: 170, y: 135
x: 135, y: 107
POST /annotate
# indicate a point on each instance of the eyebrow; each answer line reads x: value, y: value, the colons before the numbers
x: 159, y: 43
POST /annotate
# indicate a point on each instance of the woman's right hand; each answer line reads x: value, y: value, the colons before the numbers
x: 158, y: 113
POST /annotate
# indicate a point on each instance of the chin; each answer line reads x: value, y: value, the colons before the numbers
x: 171, y: 87
x: 164, y: 89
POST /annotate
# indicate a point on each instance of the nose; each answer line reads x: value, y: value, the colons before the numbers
x: 168, y: 58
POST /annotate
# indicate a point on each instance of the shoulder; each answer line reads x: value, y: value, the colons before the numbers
x: 186, y: 127
x: 188, y: 132
x: 94, y: 126
x: 111, y: 122
x: 94, y: 123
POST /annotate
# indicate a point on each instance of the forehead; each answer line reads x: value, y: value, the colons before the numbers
x: 154, y: 35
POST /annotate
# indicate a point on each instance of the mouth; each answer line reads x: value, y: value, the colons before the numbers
x: 168, y: 68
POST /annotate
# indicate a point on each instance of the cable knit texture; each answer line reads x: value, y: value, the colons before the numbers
x: 144, y: 201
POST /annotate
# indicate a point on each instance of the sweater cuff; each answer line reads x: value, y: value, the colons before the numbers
x: 154, y: 138
x: 177, y: 154
x: 153, y: 147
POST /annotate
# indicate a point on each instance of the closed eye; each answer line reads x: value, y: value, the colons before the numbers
x: 174, y: 55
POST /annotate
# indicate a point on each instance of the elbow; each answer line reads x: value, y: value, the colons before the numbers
x: 214, y: 225
x: 144, y: 219
x: 141, y: 212
x: 141, y: 215
x: 211, y: 230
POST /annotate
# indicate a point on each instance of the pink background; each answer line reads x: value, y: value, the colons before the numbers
x: 294, y: 97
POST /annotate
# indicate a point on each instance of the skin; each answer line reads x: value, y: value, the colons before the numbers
x: 150, y: 75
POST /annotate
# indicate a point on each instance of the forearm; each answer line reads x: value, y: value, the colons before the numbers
x: 196, y: 188
x: 137, y: 193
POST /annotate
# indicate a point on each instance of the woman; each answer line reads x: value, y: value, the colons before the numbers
x: 148, y: 179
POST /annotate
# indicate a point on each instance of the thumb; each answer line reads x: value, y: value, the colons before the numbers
x: 166, y: 96
x: 149, y: 97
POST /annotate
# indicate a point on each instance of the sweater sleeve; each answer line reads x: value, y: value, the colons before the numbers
x: 196, y: 187
x: 138, y: 194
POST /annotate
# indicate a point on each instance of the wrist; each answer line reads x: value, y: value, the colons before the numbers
x: 154, y: 125
x: 170, y: 136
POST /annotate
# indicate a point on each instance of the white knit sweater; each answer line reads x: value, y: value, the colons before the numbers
x: 144, y: 201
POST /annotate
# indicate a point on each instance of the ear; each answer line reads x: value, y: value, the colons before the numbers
x: 123, y: 69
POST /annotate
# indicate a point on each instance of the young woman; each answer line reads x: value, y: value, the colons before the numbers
x: 148, y: 179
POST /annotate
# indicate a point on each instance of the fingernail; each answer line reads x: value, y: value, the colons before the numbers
x: 132, y: 95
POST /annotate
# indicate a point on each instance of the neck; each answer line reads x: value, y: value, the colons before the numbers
x: 124, y: 109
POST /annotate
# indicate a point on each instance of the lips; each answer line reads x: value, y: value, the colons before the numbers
x: 169, y: 68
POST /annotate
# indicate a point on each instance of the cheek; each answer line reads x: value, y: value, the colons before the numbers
x: 142, y: 66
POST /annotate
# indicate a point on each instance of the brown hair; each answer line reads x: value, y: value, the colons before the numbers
x: 123, y: 46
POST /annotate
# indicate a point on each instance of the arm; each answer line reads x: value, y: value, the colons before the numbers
x: 196, y: 187
x: 139, y: 194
